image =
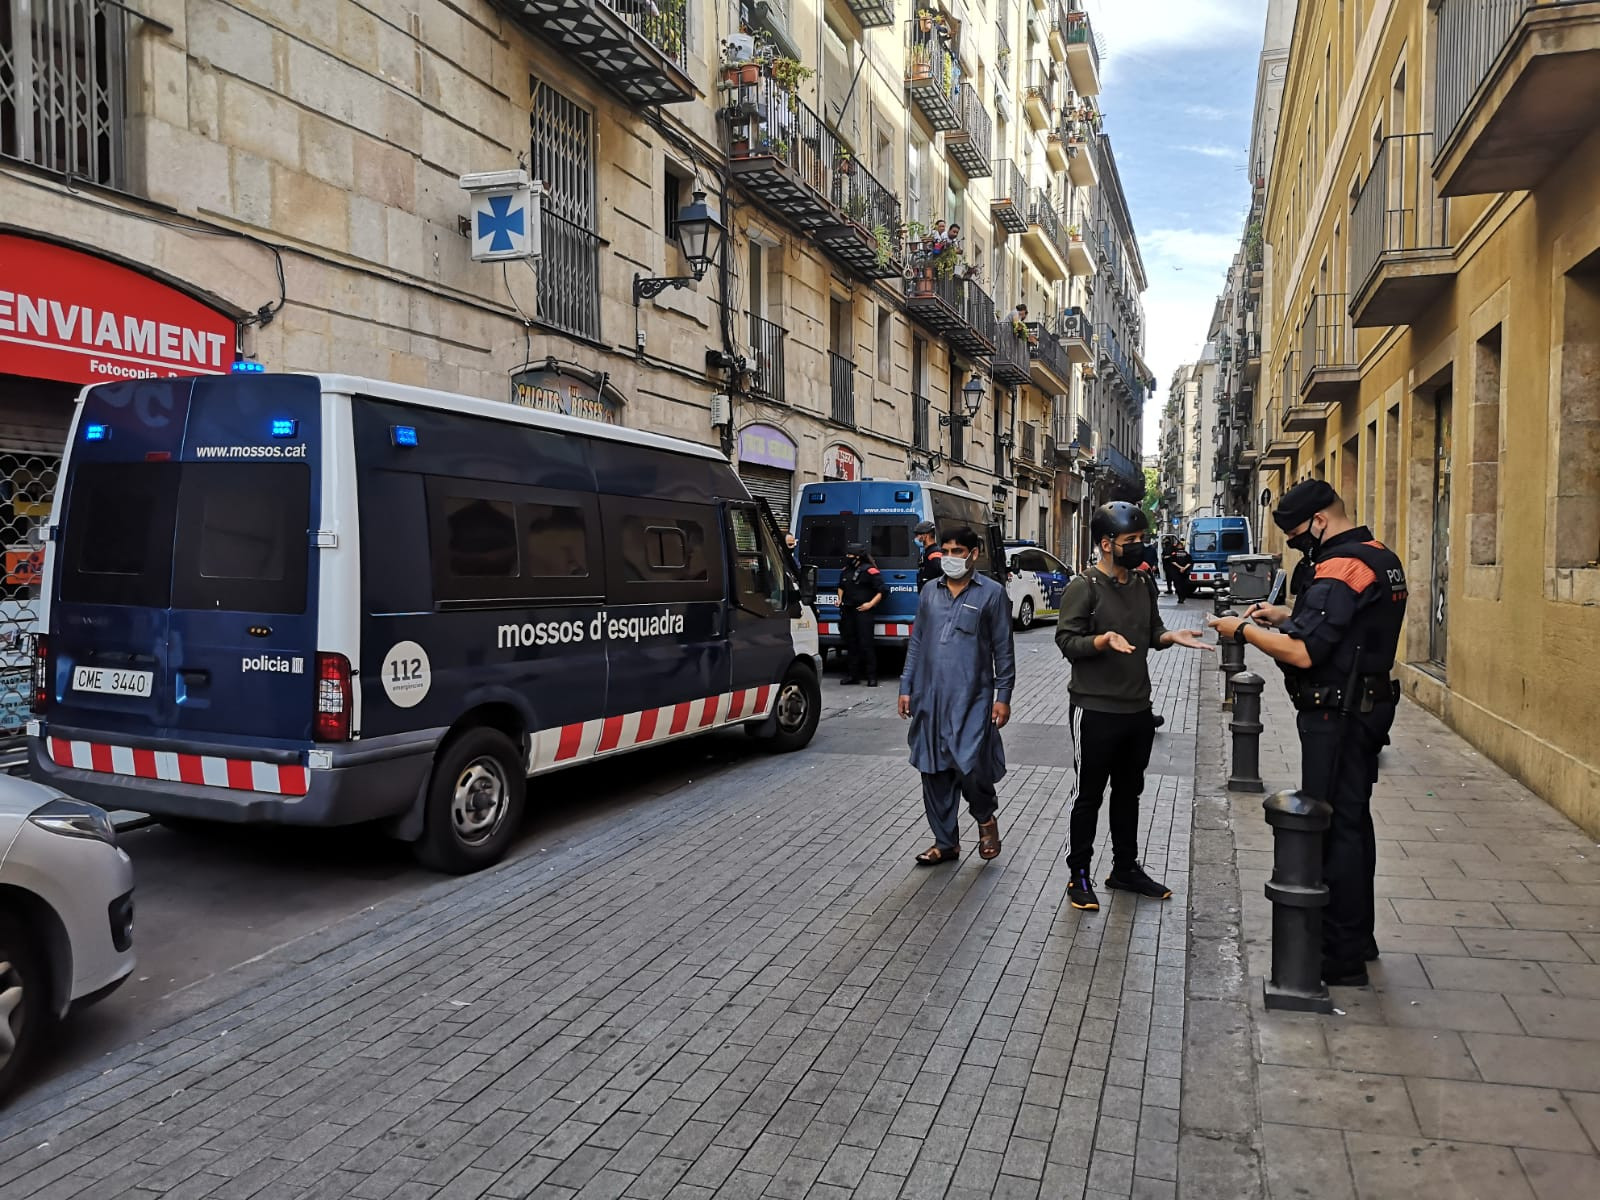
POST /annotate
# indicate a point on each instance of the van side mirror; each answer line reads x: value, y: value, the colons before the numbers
x: 808, y: 585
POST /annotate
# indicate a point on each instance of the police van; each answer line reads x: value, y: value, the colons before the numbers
x: 320, y: 600
x: 882, y: 515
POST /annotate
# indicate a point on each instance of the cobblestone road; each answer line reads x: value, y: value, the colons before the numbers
x: 741, y: 989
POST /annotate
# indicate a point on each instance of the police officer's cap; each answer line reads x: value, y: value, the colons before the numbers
x: 856, y: 548
x: 1117, y: 518
x: 925, y: 527
x: 1302, y: 502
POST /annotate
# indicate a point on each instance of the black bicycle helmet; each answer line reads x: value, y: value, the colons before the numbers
x: 1117, y: 518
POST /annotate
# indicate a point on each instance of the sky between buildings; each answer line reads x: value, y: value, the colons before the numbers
x: 1178, y: 94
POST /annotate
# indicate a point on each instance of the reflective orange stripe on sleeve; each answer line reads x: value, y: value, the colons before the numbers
x: 1351, y: 572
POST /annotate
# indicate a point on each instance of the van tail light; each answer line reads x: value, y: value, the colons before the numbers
x: 41, y: 673
x: 335, y: 697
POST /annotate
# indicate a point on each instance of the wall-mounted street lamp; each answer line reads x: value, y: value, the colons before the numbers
x: 971, y: 398
x: 700, y: 235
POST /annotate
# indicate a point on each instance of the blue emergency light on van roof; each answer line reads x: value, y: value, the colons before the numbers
x: 284, y: 426
x: 403, y: 435
x: 245, y: 366
x: 96, y: 433
x: 904, y: 496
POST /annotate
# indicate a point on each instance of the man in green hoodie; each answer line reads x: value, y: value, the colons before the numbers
x: 1109, y: 623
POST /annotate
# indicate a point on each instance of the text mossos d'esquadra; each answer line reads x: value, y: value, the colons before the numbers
x: 602, y: 627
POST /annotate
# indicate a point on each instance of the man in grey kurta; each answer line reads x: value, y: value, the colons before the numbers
x: 956, y: 690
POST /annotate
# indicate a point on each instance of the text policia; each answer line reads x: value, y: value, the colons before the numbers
x: 601, y: 627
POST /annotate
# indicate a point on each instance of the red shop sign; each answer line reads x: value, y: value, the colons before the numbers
x: 71, y: 316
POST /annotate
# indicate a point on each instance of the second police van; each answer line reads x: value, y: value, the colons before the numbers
x: 321, y: 600
x: 882, y: 515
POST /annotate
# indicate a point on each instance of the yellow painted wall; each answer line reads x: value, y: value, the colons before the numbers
x: 1521, y: 639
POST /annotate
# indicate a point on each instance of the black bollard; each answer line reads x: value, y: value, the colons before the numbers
x: 1246, y: 726
x: 1232, y: 662
x: 1298, y: 896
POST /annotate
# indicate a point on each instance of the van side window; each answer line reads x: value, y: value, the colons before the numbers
x: 483, y: 537
x: 554, y: 541
x: 661, y: 552
x: 759, y: 576
x: 503, y: 544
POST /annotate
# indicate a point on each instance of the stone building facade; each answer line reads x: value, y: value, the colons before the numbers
x: 294, y: 168
x: 1433, y: 302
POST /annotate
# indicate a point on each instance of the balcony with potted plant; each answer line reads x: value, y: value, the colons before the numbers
x: 1013, y: 341
x: 866, y: 235
x: 1039, y: 93
x: 1079, y: 258
x: 933, y: 71
x: 1083, y: 54
x: 779, y: 150
x: 946, y: 299
x: 1044, y: 240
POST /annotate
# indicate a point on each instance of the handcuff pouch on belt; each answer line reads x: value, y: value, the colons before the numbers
x: 1369, y: 692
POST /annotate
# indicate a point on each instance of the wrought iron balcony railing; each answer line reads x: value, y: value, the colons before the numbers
x: 842, y: 384
x: 1399, y: 216
x: 637, y: 48
x: 766, y: 338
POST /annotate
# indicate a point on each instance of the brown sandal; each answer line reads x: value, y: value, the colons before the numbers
x: 989, y: 839
x: 934, y: 855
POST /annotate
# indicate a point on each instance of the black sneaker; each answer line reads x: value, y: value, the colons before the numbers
x: 1081, y: 892
x: 1344, y: 974
x: 1133, y: 879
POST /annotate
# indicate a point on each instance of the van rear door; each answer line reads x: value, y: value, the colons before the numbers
x: 186, y: 571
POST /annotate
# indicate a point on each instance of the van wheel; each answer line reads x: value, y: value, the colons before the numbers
x: 798, y: 709
x: 1025, y: 613
x: 24, y: 1005
x: 475, y: 802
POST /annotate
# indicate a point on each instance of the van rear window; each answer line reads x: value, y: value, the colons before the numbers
x: 243, y: 537
x: 230, y: 536
x: 892, y: 548
x: 1233, y: 541
x: 117, y: 539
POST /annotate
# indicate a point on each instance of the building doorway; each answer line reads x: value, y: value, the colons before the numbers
x: 1439, y: 558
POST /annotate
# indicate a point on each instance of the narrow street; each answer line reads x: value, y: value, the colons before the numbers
x: 735, y: 982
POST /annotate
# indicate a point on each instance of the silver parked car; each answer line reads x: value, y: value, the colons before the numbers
x: 66, y: 914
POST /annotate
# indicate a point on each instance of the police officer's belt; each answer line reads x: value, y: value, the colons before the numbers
x: 1371, y: 690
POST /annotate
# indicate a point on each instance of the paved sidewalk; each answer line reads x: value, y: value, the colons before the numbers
x: 741, y: 989
x: 1471, y: 1067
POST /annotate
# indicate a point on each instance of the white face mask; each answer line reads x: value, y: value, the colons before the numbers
x: 955, y: 567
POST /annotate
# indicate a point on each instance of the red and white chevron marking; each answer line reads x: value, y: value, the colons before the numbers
x: 206, y: 770
x: 565, y: 745
x: 831, y: 629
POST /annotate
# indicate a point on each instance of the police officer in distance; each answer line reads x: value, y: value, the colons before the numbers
x: 1336, y: 649
x: 861, y: 589
x: 928, y: 569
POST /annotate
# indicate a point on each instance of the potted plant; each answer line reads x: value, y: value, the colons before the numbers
x: 1073, y: 234
x: 844, y: 162
x: 856, y: 206
x: 946, y: 261
x: 789, y: 74
x: 738, y: 70
x: 885, y: 250
x: 925, y: 20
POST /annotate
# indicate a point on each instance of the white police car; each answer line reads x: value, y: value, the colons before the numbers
x: 1035, y: 580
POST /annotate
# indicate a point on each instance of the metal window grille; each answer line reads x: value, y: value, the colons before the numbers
x: 63, y: 80
x: 27, y: 485
x: 562, y: 156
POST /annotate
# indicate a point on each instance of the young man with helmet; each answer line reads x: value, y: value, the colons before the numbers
x: 1108, y: 625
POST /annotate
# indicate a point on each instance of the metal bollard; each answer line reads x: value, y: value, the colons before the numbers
x: 1246, y: 726
x: 1232, y: 663
x: 1298, y: 895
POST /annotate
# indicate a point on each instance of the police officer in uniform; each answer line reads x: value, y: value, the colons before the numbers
x: 1336, y: 649
x: 928, y: 568
x: 861, y: 589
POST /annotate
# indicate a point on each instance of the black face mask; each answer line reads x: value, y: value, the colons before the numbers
x: 853, y: 561
x: 1131, y: 556
x: 1308, y: 543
